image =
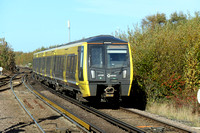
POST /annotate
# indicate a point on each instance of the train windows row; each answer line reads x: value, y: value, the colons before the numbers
x: 57, y: 64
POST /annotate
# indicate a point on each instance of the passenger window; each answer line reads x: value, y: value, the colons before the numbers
x: 74, y: 68
x: 39, y: 65
x: 72, y: 64
x: 68, y: 63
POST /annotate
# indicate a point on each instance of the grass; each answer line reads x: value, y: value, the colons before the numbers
x: 183, y: 114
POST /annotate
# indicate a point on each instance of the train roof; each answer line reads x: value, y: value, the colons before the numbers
x: 95, y: 39
x: 102, y: 39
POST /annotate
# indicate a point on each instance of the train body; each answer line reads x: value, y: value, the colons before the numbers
x: 95, y: 68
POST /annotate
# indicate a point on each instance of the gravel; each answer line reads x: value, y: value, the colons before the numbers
x: 14, y: 119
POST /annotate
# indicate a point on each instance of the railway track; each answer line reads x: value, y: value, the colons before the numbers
x: 101, y: 120
x: 132, y: 121
x: 124, y: 120
x: 12, y: 88
x: 166, y: 124
x: 147, y: 121
x: 42, y: 115
x: 4, y: 80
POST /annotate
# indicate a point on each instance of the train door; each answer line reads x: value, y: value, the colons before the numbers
x: 80, y: 62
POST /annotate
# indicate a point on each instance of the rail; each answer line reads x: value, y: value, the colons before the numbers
x: 172, y: 124
x: 85, y: 126
x: 110, y: 119
x: 11, y: 86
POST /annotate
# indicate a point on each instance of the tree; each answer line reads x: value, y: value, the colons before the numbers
x: 153, y: 20
x: 175, y: 17
x: 7, y: 57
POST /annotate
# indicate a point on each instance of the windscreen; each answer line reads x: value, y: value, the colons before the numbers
x: 117, y: 56
x: 96, y: 56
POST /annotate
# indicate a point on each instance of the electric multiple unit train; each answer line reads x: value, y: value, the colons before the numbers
x: 96, y: 68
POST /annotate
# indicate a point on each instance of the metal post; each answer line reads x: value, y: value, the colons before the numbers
x: 69, y: 29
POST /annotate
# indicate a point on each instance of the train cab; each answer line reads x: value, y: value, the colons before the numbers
x: 109, y: 66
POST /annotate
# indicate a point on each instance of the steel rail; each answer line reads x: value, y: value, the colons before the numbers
x: 64, y: 112
x: 110, y: 119
x: 158, y: 120
x: 11, y: 86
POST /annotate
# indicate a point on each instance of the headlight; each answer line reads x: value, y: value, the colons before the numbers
x: 93, y: 74
x: 124, y: 74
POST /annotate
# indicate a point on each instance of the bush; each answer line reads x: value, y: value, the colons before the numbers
x: 167, y: 53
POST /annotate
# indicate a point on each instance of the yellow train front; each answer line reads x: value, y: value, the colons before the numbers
x: 96, y: 68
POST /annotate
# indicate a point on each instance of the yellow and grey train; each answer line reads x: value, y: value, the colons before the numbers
x: 96, y: 68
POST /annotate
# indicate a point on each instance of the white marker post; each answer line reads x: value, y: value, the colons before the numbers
x: 1, y: 69
x: 198, y: 95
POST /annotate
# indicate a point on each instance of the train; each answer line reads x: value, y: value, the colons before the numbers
x: 97, y: 68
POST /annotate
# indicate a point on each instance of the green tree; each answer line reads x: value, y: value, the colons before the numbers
x: 153, y: 20
x: 7, y: 57
x: 175, y: 17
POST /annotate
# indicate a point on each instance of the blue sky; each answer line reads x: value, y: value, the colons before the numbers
x: 30, y: 24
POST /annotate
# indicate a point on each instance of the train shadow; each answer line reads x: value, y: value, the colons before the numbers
x: 54, y: 117
x: 18, y: 128
x: 138, y: 96
x: 127, y: 103
x: 4, y: 89
x: 102, y: 105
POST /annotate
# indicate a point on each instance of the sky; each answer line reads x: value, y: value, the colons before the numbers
x: 31, y: 24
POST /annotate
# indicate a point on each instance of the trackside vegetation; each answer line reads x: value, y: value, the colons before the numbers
x: 26, y: 59
x: 166, y: 57
x: 7, y: 56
